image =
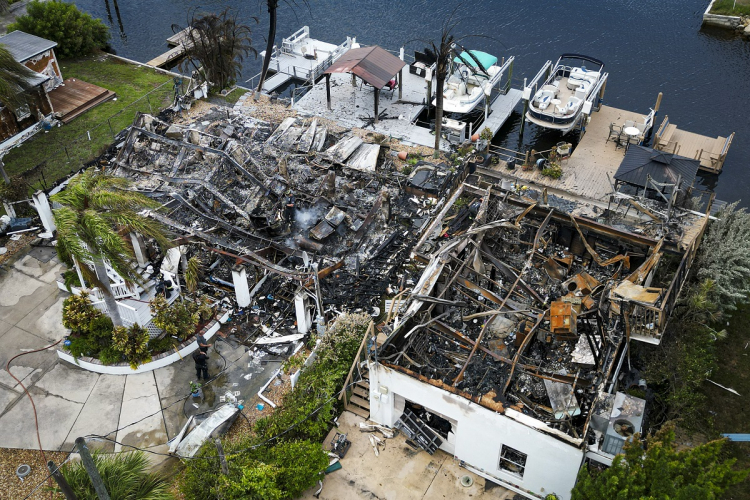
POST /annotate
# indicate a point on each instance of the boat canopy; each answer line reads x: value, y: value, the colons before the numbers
x: 484, y: 59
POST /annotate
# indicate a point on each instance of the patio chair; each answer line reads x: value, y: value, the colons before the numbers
x: 614, y: 131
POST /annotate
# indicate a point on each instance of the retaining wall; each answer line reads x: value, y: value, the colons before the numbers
x: 717, y: 20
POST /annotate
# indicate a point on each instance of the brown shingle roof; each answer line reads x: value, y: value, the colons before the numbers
x: 374, y: 65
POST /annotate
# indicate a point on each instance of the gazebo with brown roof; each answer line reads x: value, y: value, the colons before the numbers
x: 374, y: 65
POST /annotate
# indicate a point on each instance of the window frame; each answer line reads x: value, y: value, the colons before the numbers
x: 502, y: 460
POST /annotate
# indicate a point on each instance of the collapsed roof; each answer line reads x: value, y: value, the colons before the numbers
x: 273, y: 199
x: 523, y: 306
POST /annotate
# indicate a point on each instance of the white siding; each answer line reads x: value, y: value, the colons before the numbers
x: 551, y: 465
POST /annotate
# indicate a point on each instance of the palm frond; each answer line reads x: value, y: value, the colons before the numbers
x: 14, y: 78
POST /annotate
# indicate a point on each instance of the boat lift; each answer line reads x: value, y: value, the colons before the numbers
x: 592, y: 103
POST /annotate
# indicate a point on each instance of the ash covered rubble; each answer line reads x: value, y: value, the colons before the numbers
x: 273, y: 203
x: 524, y: 306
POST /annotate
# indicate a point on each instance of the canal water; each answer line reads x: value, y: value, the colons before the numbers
x: 648, y: 46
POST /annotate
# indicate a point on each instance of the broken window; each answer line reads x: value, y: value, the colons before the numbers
x: 512, y: 461
x: 22, y: 112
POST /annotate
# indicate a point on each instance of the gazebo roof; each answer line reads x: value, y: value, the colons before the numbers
x: 374, y: 65
x: 640, y: 162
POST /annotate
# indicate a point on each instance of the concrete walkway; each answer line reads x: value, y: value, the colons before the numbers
x: 142, y: 410
x: 398, y: 473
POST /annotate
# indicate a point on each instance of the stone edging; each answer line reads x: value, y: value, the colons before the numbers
x: 718, y: 20
x: 160, y: 360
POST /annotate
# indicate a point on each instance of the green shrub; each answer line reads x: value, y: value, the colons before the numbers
x: 110, y: 356
x: 125, y: 476
x: 75, y: 32
x: 82, y: 346
x: 181, y: 317
x: 132, y: 342
x: 70, y: 278
x: 553, y: 171
x: 91, y: 329
x: 78, y: 313
x: 161, y: 345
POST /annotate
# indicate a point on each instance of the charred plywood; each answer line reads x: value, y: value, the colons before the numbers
x: 307, y: 138
x: 365, y: 158
x: 343, y: 149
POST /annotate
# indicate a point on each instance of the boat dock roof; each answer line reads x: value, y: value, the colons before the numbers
x: 352, y: 107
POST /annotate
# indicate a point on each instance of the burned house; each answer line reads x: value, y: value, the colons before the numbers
x: 510, y: 350
x: 38, y: 55
x: 292, y: 223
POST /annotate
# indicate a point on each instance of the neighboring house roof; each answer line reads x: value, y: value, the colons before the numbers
x: 640, y: 162
x: 374, y: 65
x: 24, y: 46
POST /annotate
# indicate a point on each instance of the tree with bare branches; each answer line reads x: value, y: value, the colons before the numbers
x: 216, y: 45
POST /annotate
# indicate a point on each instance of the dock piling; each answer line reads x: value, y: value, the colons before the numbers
x: 525, y: 109
x: 401, y: 76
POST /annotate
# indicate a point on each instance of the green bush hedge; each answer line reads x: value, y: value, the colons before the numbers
x: 75, y: 32
x: 276, y: 466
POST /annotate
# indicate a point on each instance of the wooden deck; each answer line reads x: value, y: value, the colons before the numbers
x: 585, y: 171
x: 178, y: 42
x: 75, y: 97
x: 711, y: 151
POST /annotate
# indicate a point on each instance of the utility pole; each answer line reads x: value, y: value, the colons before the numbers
x: 90, y: 466
x: 61, y: 482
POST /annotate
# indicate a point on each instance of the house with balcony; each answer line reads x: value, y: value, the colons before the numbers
x: 133, y: 301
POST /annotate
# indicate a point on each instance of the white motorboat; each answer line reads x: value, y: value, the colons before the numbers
x: 473, y: 76
x: 560, y: 103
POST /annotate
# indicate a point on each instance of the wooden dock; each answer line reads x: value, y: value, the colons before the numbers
x: 711, y: 151
x: 585, y: 171
x: 179, y: 42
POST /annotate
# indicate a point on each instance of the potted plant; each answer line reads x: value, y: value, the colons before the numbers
x: 195, y: 390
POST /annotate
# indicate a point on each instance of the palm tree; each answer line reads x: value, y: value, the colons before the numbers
x: 93, y: 223
x: 273, y: 6
x: 14, y: 78
x: 219, y: 43
x: 125, y: 476
x: 444, y: 50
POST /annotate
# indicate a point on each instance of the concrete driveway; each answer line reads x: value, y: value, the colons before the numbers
x: 143, y: 410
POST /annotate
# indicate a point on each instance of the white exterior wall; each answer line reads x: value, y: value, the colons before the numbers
x: 551, y: 464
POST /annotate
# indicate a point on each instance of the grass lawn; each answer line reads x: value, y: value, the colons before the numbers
x: 728, y: 411
x: 128, y: 81
x: 725, y: 8
x: 232, y: 97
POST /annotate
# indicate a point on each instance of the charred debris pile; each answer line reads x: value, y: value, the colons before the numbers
x: 279, y: 202
x: 527, y: 307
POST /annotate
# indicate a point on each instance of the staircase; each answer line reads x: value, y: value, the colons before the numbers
x: 356, y: 396
x: 359, y: 401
